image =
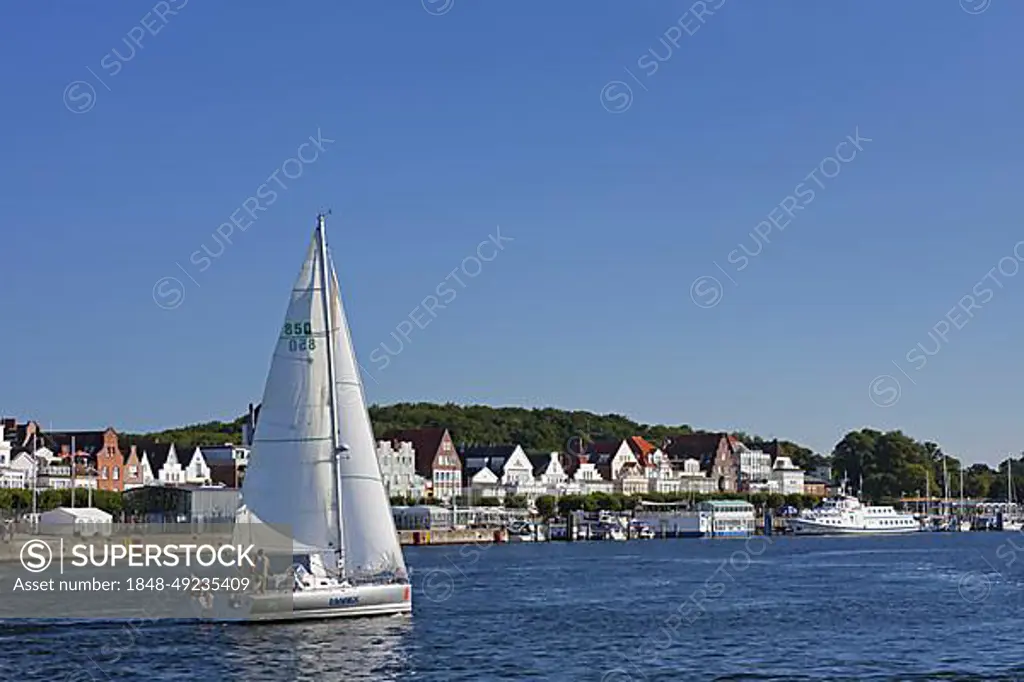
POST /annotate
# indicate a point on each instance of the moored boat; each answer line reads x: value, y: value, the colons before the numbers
x: 845, y: 515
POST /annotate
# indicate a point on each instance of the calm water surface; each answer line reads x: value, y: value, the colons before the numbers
x: 925, y: 607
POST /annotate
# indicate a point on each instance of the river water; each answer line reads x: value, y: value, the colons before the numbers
x: 929, y: 606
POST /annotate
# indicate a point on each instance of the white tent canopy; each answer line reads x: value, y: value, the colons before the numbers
x: 80, y: 520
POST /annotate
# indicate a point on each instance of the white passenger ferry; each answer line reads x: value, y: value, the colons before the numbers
x: 845, y: 515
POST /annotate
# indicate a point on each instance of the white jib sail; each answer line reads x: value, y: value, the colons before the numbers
x: 371, y: 543
x: 290, y: 481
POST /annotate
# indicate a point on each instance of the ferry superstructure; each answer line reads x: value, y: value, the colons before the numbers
x: 845, y: 515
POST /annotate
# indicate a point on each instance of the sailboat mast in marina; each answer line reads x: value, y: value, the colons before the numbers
x: 313, y: 473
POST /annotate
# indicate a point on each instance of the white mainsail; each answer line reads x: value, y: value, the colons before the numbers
x: 293, y: 480
x: 371, y: 543
x: 290, y: 481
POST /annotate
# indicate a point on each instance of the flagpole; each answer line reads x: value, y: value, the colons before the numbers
x: 72, y: 472
x: 35, y: 478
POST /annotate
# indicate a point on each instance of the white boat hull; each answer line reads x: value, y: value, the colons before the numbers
x: 318, y: 603
x: 810, y: 527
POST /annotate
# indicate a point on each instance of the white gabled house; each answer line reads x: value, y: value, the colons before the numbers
x: 517, y: 469
x: 617, y: 464
x: 510, y: 464
x: 485, y: 483
x: 164, y: 463
x: 197, y: 471
x: 585, y: 477
x: 147, y: 469
x: 657, y: 469
x: 787, y: 478
x: 549, y: 472
x: 26, y: 468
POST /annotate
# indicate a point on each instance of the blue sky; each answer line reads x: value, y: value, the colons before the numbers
x: 449, y: 119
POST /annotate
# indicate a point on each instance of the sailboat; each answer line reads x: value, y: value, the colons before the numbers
x: 313, y: 483
x: 964, y: 524
x: 1010, y: 523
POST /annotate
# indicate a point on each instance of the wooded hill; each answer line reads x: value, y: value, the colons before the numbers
x: 891, y: 465
x: 537, y: 430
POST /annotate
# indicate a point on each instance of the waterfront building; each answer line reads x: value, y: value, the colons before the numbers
x: 436, y: 460
x: 610, y: 457
x: 716, y: 454
x: 427, y: 517
x: 10, y: 476
x: 549, y: 472
x: 755, y: 466
x: 398, y: 469
x: 632, y: 480
x: 484, y: 483
x: 227, y: 463
x: 715, y: 518
x: 499, y: 470
x: 726, y: 518
x: 161, y: 464
x: 196, y: 471
x: 700, y: 485
x: 788, y: 478
x: 183, y: 504
x: 23, y: 471
x: 815, y: 486
x: 616, y: 463
x: 661, y: 477
x: 584, y: 478
x: 133, y: 473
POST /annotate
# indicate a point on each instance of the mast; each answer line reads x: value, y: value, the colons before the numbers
x: 336, y: 450
x: 72, y: 472
x: 927, y: 491
x: 1009, y: 482
x: 35, y: 478
x: 945, y: 487
x: 962, y: 510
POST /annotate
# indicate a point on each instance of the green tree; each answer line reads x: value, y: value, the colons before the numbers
x: 546, y: 506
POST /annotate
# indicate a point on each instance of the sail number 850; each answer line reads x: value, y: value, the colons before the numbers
x: 300, y: 335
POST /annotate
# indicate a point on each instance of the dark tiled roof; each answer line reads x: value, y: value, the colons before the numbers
x: 495, y: 464
x: 486, y: 451
x: 694, y: 445
x: 699, y: 446
x: 85, y: 441
x: 223, y: 474
x: 219, y: 454
x: 570, y: 462
x: 426, y: 443
x: 157, y: 454
x: 608, y: 447
x: 540, y: 463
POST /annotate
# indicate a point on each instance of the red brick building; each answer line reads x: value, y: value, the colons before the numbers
x: 715, y: 452
x: 97, y: 454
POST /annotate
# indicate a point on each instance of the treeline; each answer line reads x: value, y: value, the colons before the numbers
x: 536, y: 430
x: 208, y: 433
x: 20, y: 501
x: 547, y: 429
x: 550, y: 506
x: 893, y: 465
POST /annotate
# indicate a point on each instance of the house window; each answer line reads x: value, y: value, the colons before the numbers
x: 117, y: 473
x: 104, y: 474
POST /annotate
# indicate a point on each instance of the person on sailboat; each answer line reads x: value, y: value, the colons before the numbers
x: 262, y: 571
